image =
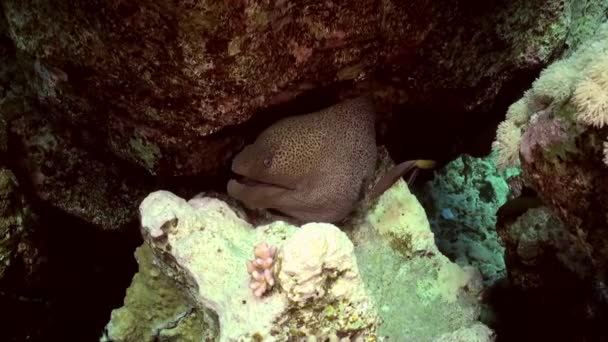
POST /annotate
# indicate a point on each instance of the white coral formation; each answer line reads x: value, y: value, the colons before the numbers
x: 206, y: 229
x: 508, y: 136
x: 327, y: 283
x: 581, y: 79
x: 260, y: 269
x: 305, y: 270
x: 555, y: 83
x: 518, y: 112
x: 591, y: 95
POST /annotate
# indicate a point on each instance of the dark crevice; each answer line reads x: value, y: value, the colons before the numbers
x: 82, y: 275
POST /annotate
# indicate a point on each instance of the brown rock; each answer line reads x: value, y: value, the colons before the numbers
x: 158, y: 80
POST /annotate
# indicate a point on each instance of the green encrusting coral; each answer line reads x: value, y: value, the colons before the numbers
x: 156, y: 309
x: 418, y: 290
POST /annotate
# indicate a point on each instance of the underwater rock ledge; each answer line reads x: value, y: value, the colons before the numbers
x: 384, y: 280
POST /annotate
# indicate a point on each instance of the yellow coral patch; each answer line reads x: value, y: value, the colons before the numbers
x: 591, y: 95
x: 508, y: 136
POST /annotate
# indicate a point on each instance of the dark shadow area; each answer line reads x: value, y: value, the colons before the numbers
x: 82, y: 275
x: 434, y: 131
x: 569, y: 310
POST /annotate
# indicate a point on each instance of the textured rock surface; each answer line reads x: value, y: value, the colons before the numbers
x: 561, y: 149
x: 537, y: 242
x: 84, y: 185
x: 161, y: 86
x: 327, y: 286
x: 545, y: 260
x: 155, y: 81
x: 17, y: 225
x: 572, y: 180
x: 11, y: 219
x: 461, y: 202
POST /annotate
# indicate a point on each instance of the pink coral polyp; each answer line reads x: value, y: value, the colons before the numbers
x: 262, y: 278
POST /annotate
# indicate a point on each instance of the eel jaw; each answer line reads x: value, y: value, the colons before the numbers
x: 248, y: 182
x: 255, y: 194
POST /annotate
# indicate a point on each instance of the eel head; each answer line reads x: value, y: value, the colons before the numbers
x: 259, y: 184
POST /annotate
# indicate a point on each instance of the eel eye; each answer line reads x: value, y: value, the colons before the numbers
x: 267, y: 162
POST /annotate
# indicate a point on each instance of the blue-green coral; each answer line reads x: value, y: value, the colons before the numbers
x: 461, y: 203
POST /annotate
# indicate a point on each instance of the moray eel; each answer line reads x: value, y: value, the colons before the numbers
x: 314, y: 167
x: 514, y: 208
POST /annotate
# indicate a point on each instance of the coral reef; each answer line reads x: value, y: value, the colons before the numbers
x: 461, y: 202
x: 103, y: 102
x: 508, y: 135
x: 576, y: 78
x: 316, y: 269
x: 559, y: 245
x: 385, y: 279
x: 561, y: 149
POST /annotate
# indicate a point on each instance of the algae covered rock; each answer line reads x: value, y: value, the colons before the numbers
x: 421, y: 294
x: 474, y: 333
x: 156, y: 309
x: 385, y: 280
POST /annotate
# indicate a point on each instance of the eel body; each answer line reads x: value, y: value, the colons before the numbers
x: 313, y: 167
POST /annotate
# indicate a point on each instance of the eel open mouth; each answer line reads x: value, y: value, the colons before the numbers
x: 251, y: 182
